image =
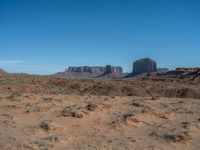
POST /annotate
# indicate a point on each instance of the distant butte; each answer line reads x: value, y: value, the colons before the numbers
x: 143, y: 66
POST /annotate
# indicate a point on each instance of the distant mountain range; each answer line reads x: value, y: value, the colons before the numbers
x: 141, y: 68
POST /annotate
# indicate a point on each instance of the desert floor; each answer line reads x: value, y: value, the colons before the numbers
x: 44, y: 113
x: 44, y: 121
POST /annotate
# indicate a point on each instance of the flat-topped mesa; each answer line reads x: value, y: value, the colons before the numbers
x: 145, y: 65
x: 86, y: 69
x: 96, y: 69
x: 107, y: 71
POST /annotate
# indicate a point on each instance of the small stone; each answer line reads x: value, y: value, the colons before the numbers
x: 91, y: 106
x: 45, y: 125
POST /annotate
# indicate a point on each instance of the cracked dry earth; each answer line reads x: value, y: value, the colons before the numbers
x: 61, y: 122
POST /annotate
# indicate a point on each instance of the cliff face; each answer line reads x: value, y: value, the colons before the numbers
x: 142, y: 67
x: 112, y: 69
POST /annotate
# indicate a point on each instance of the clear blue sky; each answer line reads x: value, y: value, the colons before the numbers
x: 46, y: 36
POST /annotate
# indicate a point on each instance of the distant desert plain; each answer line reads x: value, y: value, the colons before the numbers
x: 152, y: 112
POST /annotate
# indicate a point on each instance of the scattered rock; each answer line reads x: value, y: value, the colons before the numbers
x: 42, y: 145
x: 177, y: 136
x: 185, y: 124
x: 77, y: 114
x: 45, y: 125
x: 73, y: 111
x: 121, y: 119
x: 91, y: 106
x: 137, y: 104
x: 54, y: 139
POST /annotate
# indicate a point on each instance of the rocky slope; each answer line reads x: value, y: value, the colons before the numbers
x: 184, y: 74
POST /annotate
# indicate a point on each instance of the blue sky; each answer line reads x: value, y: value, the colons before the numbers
x: 46, y: 36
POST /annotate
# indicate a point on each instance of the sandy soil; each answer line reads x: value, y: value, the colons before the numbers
x: 98, y: 122
x: 53, y: 121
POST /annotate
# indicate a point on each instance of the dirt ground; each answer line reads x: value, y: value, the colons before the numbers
x: 61, y: 121
x: 98, y: 122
